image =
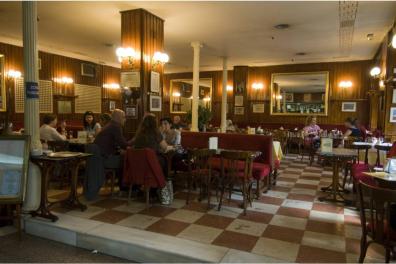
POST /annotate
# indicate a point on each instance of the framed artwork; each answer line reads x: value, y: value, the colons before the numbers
x: 240, y: 88
x: 289, y: 97
x: 238, y: 100
x: 258, y: 108
x: 392, y: 115
x: 155, y: 82
x: 130, y: 79
x: 64, y: 107
x: 131, y: 112
x: 394, y: 96
x: 155, y: 103
x: 348, y: 107
x: 14, y: 160
x: 112, y: 105
x: 239, y: 110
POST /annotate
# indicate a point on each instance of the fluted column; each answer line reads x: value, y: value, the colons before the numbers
x: 30, y: 60
x: 224, y: 98
x: 195, y: 90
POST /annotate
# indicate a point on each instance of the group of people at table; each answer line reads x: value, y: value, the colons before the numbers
x: 107, y: 135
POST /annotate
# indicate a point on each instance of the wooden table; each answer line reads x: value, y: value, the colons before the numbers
x: 337, y: 157
x: 46, y: 164
x: 384, y: 179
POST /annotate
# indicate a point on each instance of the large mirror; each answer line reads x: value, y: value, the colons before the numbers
x: 181, y: 94
x: 299, y: 93
x: 2, y: 85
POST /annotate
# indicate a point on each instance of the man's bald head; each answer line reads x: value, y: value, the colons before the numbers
x: 118, y: 116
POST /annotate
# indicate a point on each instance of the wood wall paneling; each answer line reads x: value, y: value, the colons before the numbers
x: 53, y: 66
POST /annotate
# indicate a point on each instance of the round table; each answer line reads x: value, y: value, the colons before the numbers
x: 337, y: 157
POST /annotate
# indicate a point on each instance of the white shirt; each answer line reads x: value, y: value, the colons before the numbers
x: 48, y: 133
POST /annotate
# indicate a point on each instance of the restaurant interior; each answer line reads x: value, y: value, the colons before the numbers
x: 191, y: 131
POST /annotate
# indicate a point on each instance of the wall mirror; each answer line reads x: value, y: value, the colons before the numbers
x: 181, y: 94
x: 303, y: 93
x: 3, y: 96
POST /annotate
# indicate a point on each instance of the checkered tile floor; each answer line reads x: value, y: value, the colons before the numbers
x: 288, y: 223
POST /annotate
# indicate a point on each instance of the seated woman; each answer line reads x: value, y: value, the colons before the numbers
x: 169, y: 134
x: 90, y: 125
x: 48, y: 130
x: 352, y: 129
x: 148, y: 135
x: 311, y: 132
x: 229, y: 126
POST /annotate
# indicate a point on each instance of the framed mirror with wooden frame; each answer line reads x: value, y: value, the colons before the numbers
x: 181, y: 94
x: 300, y: 93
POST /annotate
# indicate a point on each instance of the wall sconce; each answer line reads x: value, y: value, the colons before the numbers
x: 381, y: 84
x: 176, y: 94
x: 127, y: 54
x: 279, y: 97
x: 345, y: 84
x: 14, y: 74
x: 63, y: 80
x: 375, y: 71
x: 206, y: 99
x: 229, y: 88
x: 394, y: 41
x: 257, y: 86
x: 113, y: 86
x: 160, y: 58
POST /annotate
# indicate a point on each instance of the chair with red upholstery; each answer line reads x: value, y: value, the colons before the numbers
x: 376, y: 211
x: 141, y: 167
x: 236, y: 170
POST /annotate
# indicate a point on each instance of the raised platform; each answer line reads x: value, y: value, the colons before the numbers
x: 133, y: 244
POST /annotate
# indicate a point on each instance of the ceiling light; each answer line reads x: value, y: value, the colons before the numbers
x: 375, y: 71
x: 370, y: 36
x: 282, y: 26
x: 14, y: 74
x: 345, y: 84
x: 229, y: 88
x: 394, y: 41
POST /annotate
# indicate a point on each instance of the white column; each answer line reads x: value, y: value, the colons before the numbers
x: 223, y: 125
x: 195, y: 91
x: 31, y: 115
x: 30, y: 60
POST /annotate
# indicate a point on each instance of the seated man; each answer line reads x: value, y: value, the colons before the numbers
x: 48, y: 130
x: 106, y: 148
x: 178, y: 124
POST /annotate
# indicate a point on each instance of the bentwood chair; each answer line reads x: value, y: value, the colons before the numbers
x: 236, y: 170
x: 378, y: 220
x: 58, y: 174
x: 200, y: 173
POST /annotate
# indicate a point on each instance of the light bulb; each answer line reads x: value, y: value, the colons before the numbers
x: 394, y: 41
x: 229, y: 88
x: 375, y: 71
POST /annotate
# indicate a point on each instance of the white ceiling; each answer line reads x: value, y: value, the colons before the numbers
x: 242, y: 31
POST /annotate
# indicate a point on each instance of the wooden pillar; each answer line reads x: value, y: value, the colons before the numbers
x: 240, y: 89
x: 374, y: 103
x: 144, y: 33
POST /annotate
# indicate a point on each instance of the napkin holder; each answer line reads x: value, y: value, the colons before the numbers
x: 326, y: 145
x: 82, y: 136
x: 213, y: 142
x: 390, y: 166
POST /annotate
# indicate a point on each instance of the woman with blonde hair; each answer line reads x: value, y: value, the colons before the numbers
x: 311, y: 132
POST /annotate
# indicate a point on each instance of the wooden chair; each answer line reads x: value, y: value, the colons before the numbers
x: 200, y: 173
x: 308, y: 148
x: 376, y: 224
x: 295, y: 138
x: 236, y: 169
x: 58, y: 175
x: 281, y: 136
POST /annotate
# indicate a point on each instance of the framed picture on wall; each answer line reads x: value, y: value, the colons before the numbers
x: 392, y: 115
x: 348, y: 107
x: 155, y: 82
x: 131, y: 112
x: 112, y: 105
x: 238, y: 100
x: 258, y: 108
x: 394, y: 96
x: 155, y: 103
x: 289, y: 97
x: 239, y: 110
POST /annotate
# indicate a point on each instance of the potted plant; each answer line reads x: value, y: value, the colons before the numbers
x: 204, y: 117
